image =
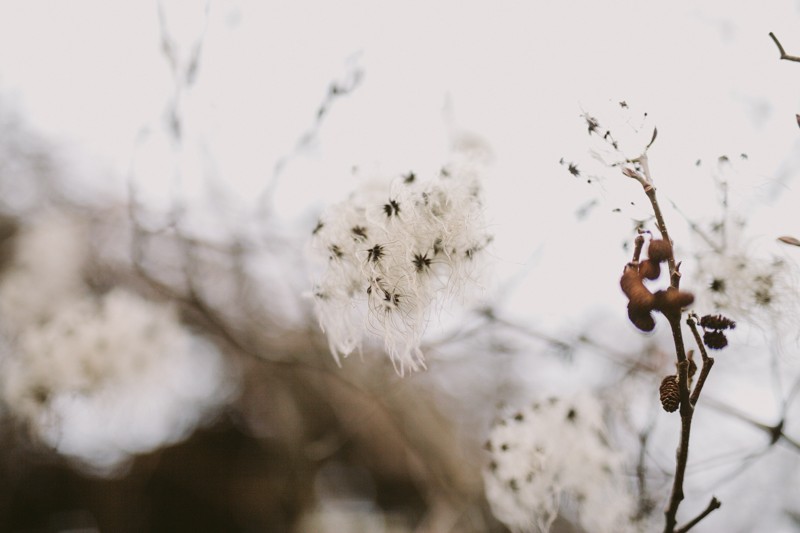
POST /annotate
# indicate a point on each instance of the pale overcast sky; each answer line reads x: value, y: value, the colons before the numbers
x: 91, y: 76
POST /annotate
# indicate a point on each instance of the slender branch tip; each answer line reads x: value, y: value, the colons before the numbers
x: 783, y: 53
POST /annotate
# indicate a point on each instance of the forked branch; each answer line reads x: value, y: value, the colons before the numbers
x: 687, y: 399
x: 712, y: 505
x: 784, y: 55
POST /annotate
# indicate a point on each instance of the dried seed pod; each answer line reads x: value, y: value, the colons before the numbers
x: 716, y: 340
x: 649, y: 269
x: 642, y: 319
x: 717, y: 322
x: 670, y: 394
x: 671, y: 301
x: 630, y: 279
x: 659, y: 250
x: 641, y: 299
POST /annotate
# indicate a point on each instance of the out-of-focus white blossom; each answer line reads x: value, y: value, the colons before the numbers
x: 106, y: 378
x: 45, y: 271
x: 747, y: 280
x: 553, y: 458
x: 393, y: 251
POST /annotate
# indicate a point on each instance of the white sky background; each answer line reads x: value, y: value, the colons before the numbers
x: 90, y: 74
x: 91, y: 77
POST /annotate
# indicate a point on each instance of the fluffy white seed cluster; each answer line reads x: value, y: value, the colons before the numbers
x: 749, y: 284
x: 108, y: 377
x: 96, y: 378
x: 553, y: 458
x: 394, y: 250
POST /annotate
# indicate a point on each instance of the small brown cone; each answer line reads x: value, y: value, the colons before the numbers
x: 670, y: 394
x: 717, y: 322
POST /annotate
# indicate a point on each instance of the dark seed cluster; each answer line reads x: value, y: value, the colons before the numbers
x: 391, y: 209
x: 714, y: 326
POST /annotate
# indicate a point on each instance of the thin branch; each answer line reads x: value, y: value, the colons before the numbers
x: 712, y: 505
x: 784, y: 55
x: 776, y: 431
x: 789, y: 440
x: 792, y: 393
x: 735, y: 413
x: 647, y: 184
x: 638, y: 243
x: 687, y: 408
x: 638, y: 176
x: 609, y: 352
x: 698, y: 230
x: 646, y: 503
x: 687, y: 402
x: 554, y: 342
x: 336, y: 90
x: 708, y: 362
x: 686, y: 411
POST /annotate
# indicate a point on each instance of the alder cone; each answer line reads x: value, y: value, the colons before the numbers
x: 716, y: 340
x: 717, y: 322
x: 670, y: 394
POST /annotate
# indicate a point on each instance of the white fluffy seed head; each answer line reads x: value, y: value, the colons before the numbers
x: 551, y: 454
x: 748, y: 282
x: 391, y: 253
x: 104, y: 378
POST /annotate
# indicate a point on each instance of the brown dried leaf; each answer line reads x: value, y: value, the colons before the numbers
x: 789, y: 240
x: 655, y: 134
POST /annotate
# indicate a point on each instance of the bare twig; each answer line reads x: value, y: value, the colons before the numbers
x: 712, y: 505
x: 687, y: 402
x: 698, y: 230
x: 793, y: 391
x: 776, y: 431
x: 686, y: 411
x: 708, y: 362
x: 646, y: 180
x: 784, y: 55
x: 336, y: 90
x: 646, y: 503
x: 637, y: 248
